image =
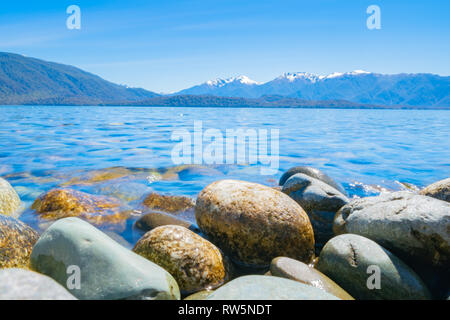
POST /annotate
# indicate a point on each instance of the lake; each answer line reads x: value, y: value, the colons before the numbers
x: 43, y: 147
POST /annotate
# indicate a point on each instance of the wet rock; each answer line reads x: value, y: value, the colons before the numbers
x: 412, y: 226
x: 313, y: 173
x: 268, y: 288
x: 109, y: 174
x: 194, y: 262
x: 201, y: 295
x: 107, y: 269
x: 16, y: 242
x: 166, y: 203
x: 296, y: 270
x: 319, y: 200
x: 63, y: 203
x: 439, y: 190
x: 20, y: 284
x: 123, y: 190
x: 9, y: 199
x: 254, y: 223
x: 350, y: 260
x: 156, y: 219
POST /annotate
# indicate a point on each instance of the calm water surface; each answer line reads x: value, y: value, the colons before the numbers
x: 366, y: 150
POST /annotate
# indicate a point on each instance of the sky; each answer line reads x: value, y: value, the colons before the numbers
x: 166, y: 46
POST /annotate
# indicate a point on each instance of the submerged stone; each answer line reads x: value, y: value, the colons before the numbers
x: 167, y: 203
x: 16, y: 242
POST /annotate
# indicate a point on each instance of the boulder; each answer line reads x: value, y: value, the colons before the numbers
x: 319, y: 200
x: 254, y: 223
x: 16, y: 242
x: 313, y: 173
x: 9, y: 199
x: 21, y: 284
x: 366, y: 270
x: 439, y: 190
x: 108, y: 270
x: 268, y: 288
x: 414, y: 227
x: 296, y: 270
x: 194, y: 262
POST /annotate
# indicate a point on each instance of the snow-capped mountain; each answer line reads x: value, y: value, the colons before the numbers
x: 356, y: 86
x: 232, y: 87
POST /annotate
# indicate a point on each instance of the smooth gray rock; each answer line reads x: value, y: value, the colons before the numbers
x: 268, y: 288
x: 9, y: 199
x: 319, y: 200
x: 348, y: 259
x: 439, y: 190
x: 108, y: 270
x: 314, y: 173
x: 415, y: 227
x: 21, y: 284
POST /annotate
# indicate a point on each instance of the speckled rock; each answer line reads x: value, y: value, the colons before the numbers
x: 194, y: 262
x: 9, y: 199
x: 412, y: 226
x: 16, y: 242
x: 296, y: 270
x: 314, y: 173
x: 254, y: 223
x: 63, y: 203
x: 156, y: 219
x: 20, y: 284
x: 107, y: 270
x: 319, y: 200
x: 268, y: 288
x: 439, y: 190
x: 346, y: 259
x: 166, y: 203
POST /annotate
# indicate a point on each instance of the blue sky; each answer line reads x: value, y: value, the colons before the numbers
x: 165, y: 46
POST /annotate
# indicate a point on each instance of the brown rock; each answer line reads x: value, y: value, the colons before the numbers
x: 63, y: 203
x: 295, y: 270
x: 171, y: 204
x: 156, y: 219
x: 254, y: 223
x: 16, y: 242
x: 194, y: 262
x: 439, y: 190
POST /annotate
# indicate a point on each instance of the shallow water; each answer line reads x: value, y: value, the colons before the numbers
x: 366, y: 150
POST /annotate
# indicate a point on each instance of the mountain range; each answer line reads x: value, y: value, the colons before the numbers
x: 426, y: 90
x: 25, y: 80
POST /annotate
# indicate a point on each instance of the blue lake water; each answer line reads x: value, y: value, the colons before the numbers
x: 366, y: 150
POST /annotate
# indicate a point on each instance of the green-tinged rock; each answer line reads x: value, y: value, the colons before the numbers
x: 16, y: 242
x: 314, y: 173
x: 21, y: 284
x: 107, y: 269
x: 414, y: 227
x: 194, y: 262
x: 254, y: 223
x: 319, y: 200
x: 201, y: 295
x: 439, y: 190
x: 296, y: 270
x: 167, y: 203
x: 156, y: 219
x: 268, y: 288
x: 356, y: 263
x: 9, y: 199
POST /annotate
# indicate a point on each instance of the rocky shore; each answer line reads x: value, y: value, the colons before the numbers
x: 303, y: 240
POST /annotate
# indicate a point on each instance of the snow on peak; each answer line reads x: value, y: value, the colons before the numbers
x: 222, y: 82
x: 292, y: 76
